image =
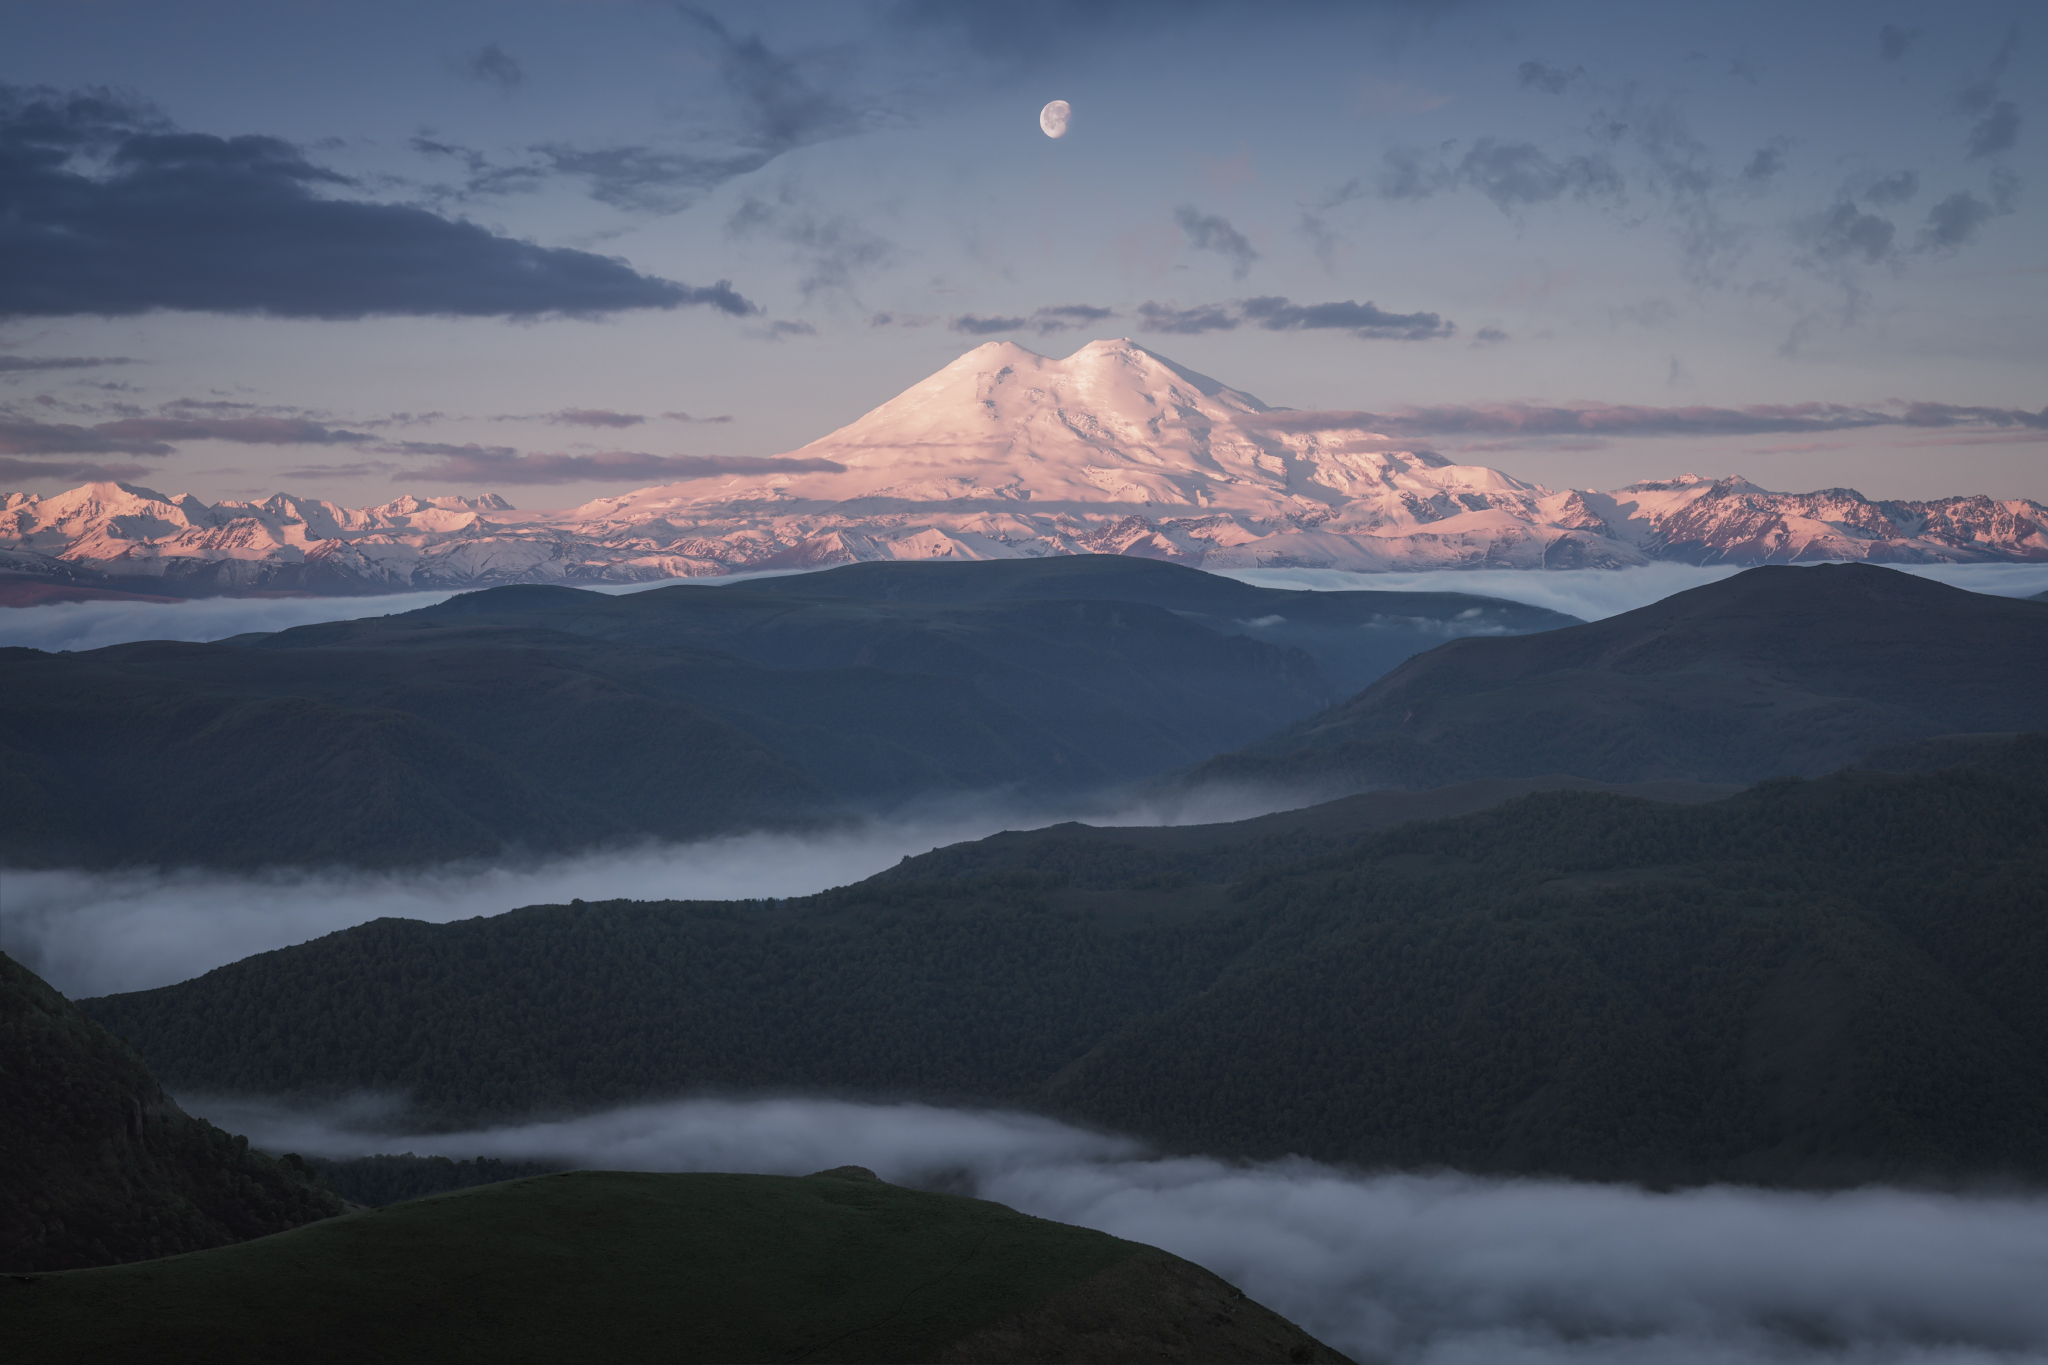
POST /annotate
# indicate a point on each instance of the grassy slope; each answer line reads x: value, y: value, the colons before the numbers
x: 605, y: 1266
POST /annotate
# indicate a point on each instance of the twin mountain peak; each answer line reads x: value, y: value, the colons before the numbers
x: 1003, y: 454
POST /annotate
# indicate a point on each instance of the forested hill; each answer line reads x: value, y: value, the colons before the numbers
x: 1809, y: 982
x: 99, y: 1166
x: 1778, y: 671
x: 542, y: 719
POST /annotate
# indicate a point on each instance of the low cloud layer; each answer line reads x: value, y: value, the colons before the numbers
x: 112, y: 211
x: 1415, y: 1269
x: 1366, y: 321
x: 1623, y: 419
x: 1065, y: 317
x: 98, y: 933
x: 1595, y: 594
x: 504, y: 465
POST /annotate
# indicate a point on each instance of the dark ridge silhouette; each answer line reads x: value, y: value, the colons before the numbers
x: 101, y: 1166
x: 1776, y: 671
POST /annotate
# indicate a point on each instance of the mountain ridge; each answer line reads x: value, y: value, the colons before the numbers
x: 1006, y: 454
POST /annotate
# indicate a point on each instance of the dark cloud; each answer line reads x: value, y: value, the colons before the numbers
x: 1767, y: 164
x: 1997, y: 128
x: 69, y: 471
x: 594, y: 417
x: 975, y: 325
x: 106, y: 210
x: 153, y: 435
x: 261, y: 431
x: 1846, y: 232
x: 1895, y: 188
x: 19, y: 436
x: 1608, y: 419
x: 1065, y: 317
x: 1892, y: 41
x: 23, y: 364
x: 1208, y: 317
x: 1060, y: 317
x: 685, y: 417
x: 1997, y: 131
x: 1211, y: 232
x: 1366, y: 321
x: 492, y: 65
x: 498, y: 465
x: 784, y: 328
x: 1489, y: 336
x: 776, y: 108
x: 832, y: 250
x: 1953, y: 222
x: 1511, y: 174
x: 1552, y: 80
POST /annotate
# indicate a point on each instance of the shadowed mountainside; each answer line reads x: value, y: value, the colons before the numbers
x: 605, y: 1266
x: 101, y: 1166
x: 1810, y: 982
x: 1776, y: 671
x: 546, y: 718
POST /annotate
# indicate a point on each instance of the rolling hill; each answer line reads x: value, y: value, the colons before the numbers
x: 543, y: 718
x: 1776, y: 671
x: 1809, y: 982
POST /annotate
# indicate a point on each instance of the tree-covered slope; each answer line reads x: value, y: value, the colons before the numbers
x: 98, y: 1165
x: 1808, y: 982
x: 606, y: 1266
x: 1776, y: 671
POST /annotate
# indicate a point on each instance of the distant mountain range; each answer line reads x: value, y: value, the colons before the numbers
x: 1006, y: 454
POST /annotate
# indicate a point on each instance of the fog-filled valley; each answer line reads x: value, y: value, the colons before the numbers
x: 1570, y: 978
x: 1428, y: 1268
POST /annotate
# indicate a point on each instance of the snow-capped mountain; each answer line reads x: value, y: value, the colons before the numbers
x: 1006, y: 453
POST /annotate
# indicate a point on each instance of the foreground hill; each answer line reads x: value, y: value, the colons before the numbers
x: 597, y: 1266
x: 549, y: 718
x: 1006, y: 454
x: 101, y: 1166
x: 1808, y: 982
x: 1774, y: 671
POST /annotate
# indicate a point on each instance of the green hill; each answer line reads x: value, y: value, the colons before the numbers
x: 1776, y: 671
x: 1809, y: 982
x: 98, y: 1165
x: 544, y: 718
x: 599, y: 1266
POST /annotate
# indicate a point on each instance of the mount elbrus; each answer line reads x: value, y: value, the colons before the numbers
x: 1005, y: 454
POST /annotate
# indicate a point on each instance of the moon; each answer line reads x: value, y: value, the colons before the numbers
x: 1053, y: 118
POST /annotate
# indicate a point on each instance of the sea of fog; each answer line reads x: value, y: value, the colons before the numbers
x: 1591, y: 594
x: 1429, y: 1269
x: 1419, y: 1269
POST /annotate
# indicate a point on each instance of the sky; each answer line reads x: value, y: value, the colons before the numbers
x: 556, y: 249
